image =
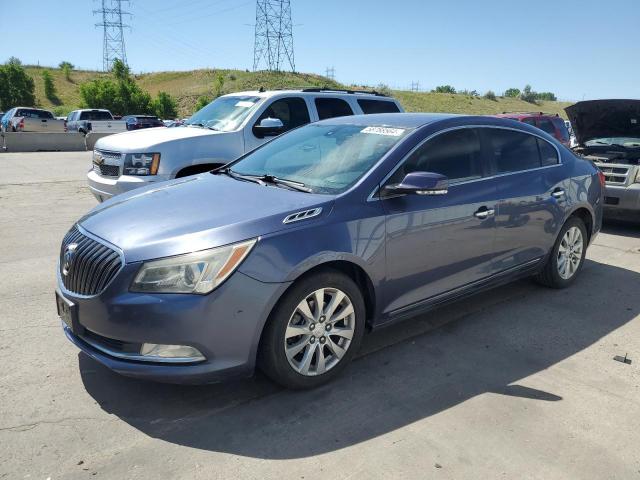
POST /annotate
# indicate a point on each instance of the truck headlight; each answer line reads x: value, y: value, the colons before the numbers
x: 141, y: 163
x: 198, y: 272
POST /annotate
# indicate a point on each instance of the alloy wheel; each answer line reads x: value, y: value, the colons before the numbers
x: 570, y: 253
x: 319, y: 331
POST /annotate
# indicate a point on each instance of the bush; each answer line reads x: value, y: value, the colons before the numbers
x: 490, y: 95
x: 165, y: 106
x: 16, y: 86
x: 202, y: 102
x: 384, y: 89
x: 512, y: 92
x: 218, y: 85
x: 122, y: 97
x: 49, y: 87
x: 528, y: 95
x: 548, y: 96
x: 444, y: 89
x: 66, y: 68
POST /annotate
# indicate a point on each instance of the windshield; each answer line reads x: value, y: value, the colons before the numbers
x: 224, y: 113
x: 629, y: 142
x: 325, y: 158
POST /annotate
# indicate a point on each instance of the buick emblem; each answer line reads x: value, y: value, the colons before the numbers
x: 67, y: 258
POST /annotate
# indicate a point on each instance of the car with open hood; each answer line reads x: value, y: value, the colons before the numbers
x: 608, y: 133
x: 283, y: 258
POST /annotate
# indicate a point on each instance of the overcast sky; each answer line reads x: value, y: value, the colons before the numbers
x: 575, y: 48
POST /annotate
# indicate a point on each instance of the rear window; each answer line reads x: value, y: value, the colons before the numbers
x: 561, y: 126
x: 95, y: 115
x: 33, y: 113
x: 332, y: 107
x: 377, y: 106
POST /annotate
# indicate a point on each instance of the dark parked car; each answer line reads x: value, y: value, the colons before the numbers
x: 284, y: 257
x: 550, y: 123
x: 136, y: 122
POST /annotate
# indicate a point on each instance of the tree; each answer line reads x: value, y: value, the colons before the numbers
x: 528, y: 95
x: 490, y: 95
x: 512, y: 92
x: 549, y: 96
x: 49, y: 86
x: 218, y: 85
x: 66, y: 68
x: 444, y: 89
x: 165, y: 106
x: 17, y: 88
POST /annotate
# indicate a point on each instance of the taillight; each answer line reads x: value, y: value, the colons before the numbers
x: 65, y: 126
x: 602, y: 178
x: 21, y: 124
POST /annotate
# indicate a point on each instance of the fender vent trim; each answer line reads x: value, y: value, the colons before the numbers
x: 304, y: 215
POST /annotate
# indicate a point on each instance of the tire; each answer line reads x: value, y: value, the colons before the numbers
x: 302, y: 350
x: 557, y: 273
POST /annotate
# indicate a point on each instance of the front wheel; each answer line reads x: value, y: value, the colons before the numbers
x: 567, y: 256
x: 314, y: 331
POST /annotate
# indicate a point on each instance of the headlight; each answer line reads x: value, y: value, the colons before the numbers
x: 141, y: 163
x: 198, y: 272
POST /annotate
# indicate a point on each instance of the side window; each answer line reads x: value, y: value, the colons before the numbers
x: 332, y: 107
x: 377, y: 106
x: 562, y: 128
x: 529, y: 121
x: 513, y: 151
x: 293, y: 112
x: 456, y: 154
x: 547, y: 125
x: 548, y: 154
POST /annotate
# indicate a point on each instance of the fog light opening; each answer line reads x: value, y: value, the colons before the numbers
x: 181, y: 352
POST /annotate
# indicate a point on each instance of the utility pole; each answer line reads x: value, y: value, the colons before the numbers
x: 273, y: 44
x: 113, y: 43
x: 330, y: 73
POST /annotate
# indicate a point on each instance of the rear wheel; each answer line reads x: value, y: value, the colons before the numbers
x: 567, y: 256
x: 314, y: 331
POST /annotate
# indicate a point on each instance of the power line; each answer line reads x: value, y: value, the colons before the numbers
x: 273, y: 44
x: 113, y: 42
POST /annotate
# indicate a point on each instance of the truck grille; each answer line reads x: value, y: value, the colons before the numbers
x: 86, y: 265
x: 614, y: 174
x: 107, y: 163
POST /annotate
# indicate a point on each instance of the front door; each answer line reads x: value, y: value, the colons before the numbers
x: 292, y: 111
x: 436, y: 244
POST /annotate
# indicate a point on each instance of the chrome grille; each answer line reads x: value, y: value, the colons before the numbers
x: 109, y: 163
x: 614, y: 174
x: 91, y: 266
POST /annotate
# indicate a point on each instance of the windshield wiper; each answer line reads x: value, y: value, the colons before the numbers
x: 201, y: 125
x: 248, y: 178
x: 301, y: 187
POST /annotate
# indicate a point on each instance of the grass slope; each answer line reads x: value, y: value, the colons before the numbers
x: 187, y: 87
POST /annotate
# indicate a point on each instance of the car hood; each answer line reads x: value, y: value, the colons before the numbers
x: 145, y: 139
x: 195, y: 213
x: 604, y: 118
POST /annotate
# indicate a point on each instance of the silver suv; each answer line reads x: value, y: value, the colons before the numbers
x: 224, y: 130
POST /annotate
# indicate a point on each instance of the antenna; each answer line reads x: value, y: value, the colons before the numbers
x: 113, y: 43
x: 273, y: 45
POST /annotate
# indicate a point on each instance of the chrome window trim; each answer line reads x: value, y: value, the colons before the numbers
x: 115, y: 248
x: 372, y: 196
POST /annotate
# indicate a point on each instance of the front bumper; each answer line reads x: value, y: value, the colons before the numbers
x: 103, y: 188
x: 622, y: 202
x: 225, y: 326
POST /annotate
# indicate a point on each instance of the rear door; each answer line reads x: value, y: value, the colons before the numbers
x: 436, y: 244
x: 531, y: 189
x: 329, y: 107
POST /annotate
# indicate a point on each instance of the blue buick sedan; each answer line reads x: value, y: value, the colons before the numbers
x: 283, y: 258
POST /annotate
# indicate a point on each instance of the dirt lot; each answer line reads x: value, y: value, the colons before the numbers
x: 516, y: 383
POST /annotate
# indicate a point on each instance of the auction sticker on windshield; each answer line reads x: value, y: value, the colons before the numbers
x: 245, y: 104
x: 391, y: 132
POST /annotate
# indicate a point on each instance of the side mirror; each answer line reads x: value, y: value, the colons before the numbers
x: 268, y: 127
x: 419, y: 183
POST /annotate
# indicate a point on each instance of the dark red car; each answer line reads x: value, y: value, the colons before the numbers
x: 136, y: 122
x: 550, y: 123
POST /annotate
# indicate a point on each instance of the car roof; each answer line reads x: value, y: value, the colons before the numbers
x: 312, y: 92
x: 399, y: 120
x: 527, y: 115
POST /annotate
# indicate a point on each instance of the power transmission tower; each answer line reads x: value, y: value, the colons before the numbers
x: 273, y: 45
x: 113, y: 46
x: 330, y: 73
x: 415, y: 86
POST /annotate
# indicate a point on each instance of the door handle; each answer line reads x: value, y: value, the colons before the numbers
x: 557, y: 193
x: 484, y: 212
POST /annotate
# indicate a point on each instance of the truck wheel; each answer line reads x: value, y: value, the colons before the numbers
x: 314, y: 331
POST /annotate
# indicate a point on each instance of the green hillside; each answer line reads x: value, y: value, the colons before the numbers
x: 186, y: 87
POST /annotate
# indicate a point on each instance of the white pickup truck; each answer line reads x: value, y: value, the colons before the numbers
x: 227, y: 128
x: 27, y: 119
x: 94, y: 121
